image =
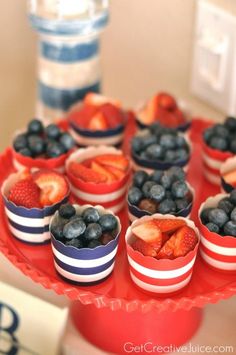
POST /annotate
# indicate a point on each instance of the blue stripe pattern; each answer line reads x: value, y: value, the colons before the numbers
x: 62, y: 99
x: 65, y: 53
x: 29, y: 229
x: 97, y: 134
x: 84, y: 271
x: 69, y: 27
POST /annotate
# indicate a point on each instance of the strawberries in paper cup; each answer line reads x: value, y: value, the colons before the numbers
x: 109, y: 195
x: 85, y: 266
x: 217, y: 251
x: 228, y: 174
x: 160, y: 276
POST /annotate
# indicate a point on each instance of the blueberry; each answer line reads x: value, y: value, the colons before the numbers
x: 74, y: 228
x: 208, y: 134
x: 76, y: 243
x: 205, y: 215
x: 67, y: 211
x: 182, y: 154
x: 143, y: 155
x: 218, y: 217
x: 93, y: 231
x: 137, y: 144
x: 166, y: 180
x: 135, y: 195
x: 177, y: 173
x: 181, y: 203
x: 230, y: 228
x: 36, y: 145
x: 53, y: 131
x: 213, y: 227
x: 35, y: 127
x: 147, y: 187
x: 179, y: 189
x: 218, y: 143
x: 232, y: 197
x: 26, y: 152
x: 108, y: 222
x: 91, y: 215
x: 67, y: 141
x: 20, y: 142
x: 149, y: 139
x: 167, y: 206
x: 226, y: 205
x: 57, y: 230
x: 155, y: 128
x: 156, y: 176
x: 167, y: 141
x: 170, y: 155
x: 233, y: 215
x: 94, y: 243
x: 54, y: 149
x: 233, y: 146
x: 157, y: 193
x: 221, y: 131
x: 154, y: 151
x: 230, y: 123
x: 181, y: 142
x: 139, y: 178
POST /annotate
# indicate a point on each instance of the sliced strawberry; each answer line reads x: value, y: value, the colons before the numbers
x: 114, y: 116
x: 25, y: 193
x: 179, y: 244
x: 166, y: 101
x: 117, y: 161
x: 93, y: 98
x: 144, y: 248
x: 119, y: 174
x: 82, y: 116
x: 230, y: 178
x: 25, y: 174
x: 87, y: 162
x: 151, y: 110
x: 103, y: 171
x: 86, y: 174
x: 98, y: 122
x: 169, y: 225
x: 165, y: 238
x: 149, y: 232
x: 180, y: 116
x: 54, y: 187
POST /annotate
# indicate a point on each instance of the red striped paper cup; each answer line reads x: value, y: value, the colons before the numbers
x: 228, y: 167
x: 212, y: 160
x: 217, y: 251
x: 111, y: 196
x: 162, y: 276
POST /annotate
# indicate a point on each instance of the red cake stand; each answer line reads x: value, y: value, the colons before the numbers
x: 116, y: 315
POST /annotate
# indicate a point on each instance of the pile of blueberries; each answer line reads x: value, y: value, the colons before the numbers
x: 162, y: 191
x: 222, y: 136
x: 40, y: 141
x: 222, y: 218
x: 87, y: 230
x: 160, y: 144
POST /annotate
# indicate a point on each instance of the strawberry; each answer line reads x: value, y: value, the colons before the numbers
x: 149, y: 232
x: 144, y: 248
x: 179, y: 244
x: 86, y: 174
x: 115, y: 160
x: 151, y: 110
x: 25, y: 174
x: 54, y: 187
x: 83, y: 115
x: 180, y: 116
x: 114, y: 116
x: 98, y: 122
x: 103, y: 171
x: 230, y: 178
x: 25, y: 193
x: 95, y: 99
x: 119, y: 174
x: 166, y: 101
x: 169, y: 225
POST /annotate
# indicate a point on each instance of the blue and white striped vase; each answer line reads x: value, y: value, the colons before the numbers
x: 69, y: 57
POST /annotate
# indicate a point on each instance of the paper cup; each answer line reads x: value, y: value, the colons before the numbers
x: 227, y: 167
x: 135, y: 212
x: 162, y: 276
x: 111, y: 196
x: 217, y: 251
x: 212, y: 160
x: 29, y: 225
x: 85, y: 266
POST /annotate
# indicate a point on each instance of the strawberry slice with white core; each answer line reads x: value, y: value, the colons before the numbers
x: 148, y: 231
x: 97, y: 100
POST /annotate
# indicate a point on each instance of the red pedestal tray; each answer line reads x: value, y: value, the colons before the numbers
x: 116, y: 312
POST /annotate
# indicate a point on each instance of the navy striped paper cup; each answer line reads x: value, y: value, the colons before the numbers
x: 29, y: 225
x: 85, y: 266
x: 228, y: 167
x: 134, y: 212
